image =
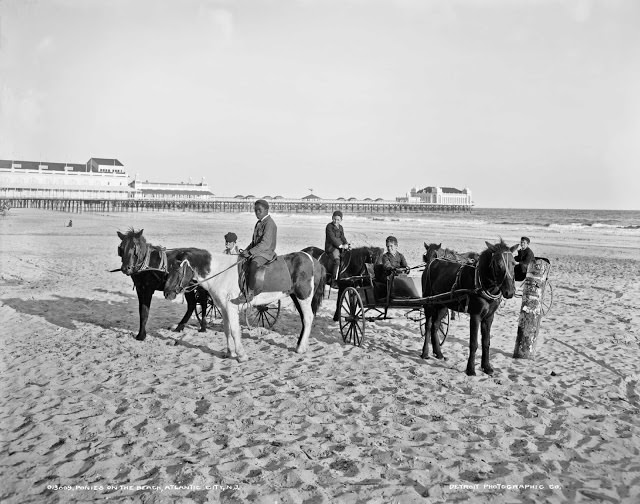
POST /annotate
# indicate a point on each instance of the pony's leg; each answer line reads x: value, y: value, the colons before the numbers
x: 203, y: 310
x: 191, y: 305
x: 306, y: 317
x: 435, y: 326
x: 428, y: 313
x: 473, y: 344
x: 231, y: 322
x: 485, y: 329
x: 144, y: 303
x: 336, y: 317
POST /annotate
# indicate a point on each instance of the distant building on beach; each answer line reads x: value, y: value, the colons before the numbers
x: 98, y: 178
x: 170, y: 190
x: 438, y: 196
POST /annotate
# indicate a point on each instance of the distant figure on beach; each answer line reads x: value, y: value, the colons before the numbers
x: 230, y: 247
x: 334, y: 243
x: 523, y: 258
x: 262, y: 248
x: 70, y: 223
x: 392, y: 260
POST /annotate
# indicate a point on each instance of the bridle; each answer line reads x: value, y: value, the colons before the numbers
x: 193, y: 285
x: 142, y: 258
x: 484, y: 291
x: 481, y: 288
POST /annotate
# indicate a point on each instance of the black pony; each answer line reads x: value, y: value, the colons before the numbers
x: 480, y: 289
x: 352, y: 263
x: 146, y: 264
x: 433, y: 251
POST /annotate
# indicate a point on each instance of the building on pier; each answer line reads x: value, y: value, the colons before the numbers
x: 170, y: 191
x: 438, y: 196
x: 98, y: 178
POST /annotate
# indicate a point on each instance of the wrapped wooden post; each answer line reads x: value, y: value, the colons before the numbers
x: 531, y: 311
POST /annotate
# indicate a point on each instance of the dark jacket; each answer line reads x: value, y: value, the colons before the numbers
x: 391, y: 262
x: 524, y: 257
x: 264, y: 239
x: 334, y: 237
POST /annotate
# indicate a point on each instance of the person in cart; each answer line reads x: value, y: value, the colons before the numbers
x: 392, y: 260
x: 393, y: 271
x: 524, y: 256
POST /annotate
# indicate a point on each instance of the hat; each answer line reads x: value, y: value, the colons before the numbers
x: 391, y: 239
x: 262, y: 203
x: 230, y: 238
x: 337, y: 213
x: 524, y: 238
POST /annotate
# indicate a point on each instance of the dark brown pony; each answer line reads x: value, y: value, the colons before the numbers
x: 146, y: 265
x: 433, y: 251
x: 352, y: 263
x: 481, y: 288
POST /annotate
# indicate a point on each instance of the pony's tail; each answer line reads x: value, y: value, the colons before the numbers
x: 320, y: 273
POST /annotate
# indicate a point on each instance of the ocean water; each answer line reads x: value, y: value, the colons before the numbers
x: 622, y: 221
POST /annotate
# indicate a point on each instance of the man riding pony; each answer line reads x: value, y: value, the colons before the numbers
x: 262, y: 248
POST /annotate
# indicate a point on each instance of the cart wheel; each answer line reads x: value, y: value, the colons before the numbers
x: 547, y: 299
x: 351, y: 315
x: 263, y: 315
x: 443, y: 330
x: 211, y: 311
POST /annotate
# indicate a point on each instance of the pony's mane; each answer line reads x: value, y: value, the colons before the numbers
x: 501, y: 246
x: 130, y: 235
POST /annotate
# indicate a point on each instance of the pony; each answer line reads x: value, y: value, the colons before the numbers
x: 475, y: 289
x: 146, y: 265
x: 219, y: 274
x: 432, y: 251
x: 352, y: 263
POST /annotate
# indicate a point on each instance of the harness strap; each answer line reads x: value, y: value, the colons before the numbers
x: 194, y: 285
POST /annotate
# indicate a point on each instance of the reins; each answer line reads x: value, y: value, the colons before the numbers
x: 479, y: 287
x: 194, y: 285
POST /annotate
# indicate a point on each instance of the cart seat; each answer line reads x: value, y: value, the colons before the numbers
x: 406, y: 287
x: 379, y: 286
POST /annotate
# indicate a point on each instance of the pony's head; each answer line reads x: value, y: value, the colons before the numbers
x: 431, y: 252
x: 132, y: 250
x: 495, y: 269
x: 179, y: 274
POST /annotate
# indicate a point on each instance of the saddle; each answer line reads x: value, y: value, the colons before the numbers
x: 273, y: 276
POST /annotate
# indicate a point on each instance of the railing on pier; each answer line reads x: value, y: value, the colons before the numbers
x: 230, y: 205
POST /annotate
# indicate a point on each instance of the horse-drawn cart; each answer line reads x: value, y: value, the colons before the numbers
x: 365, y: 299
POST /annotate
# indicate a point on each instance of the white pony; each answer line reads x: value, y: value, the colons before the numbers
x: 300, y: 276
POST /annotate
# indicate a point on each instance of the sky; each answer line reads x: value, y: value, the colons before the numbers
x: 528, y: 103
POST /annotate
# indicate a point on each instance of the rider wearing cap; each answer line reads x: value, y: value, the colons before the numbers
x: 230, y: 246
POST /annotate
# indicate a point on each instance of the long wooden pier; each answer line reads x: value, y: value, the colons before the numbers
x: 229, y: 205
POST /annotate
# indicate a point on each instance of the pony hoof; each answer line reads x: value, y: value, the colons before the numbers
x: 179, y: 328
x: 243, y: 358
x: 141, y: 337
x: 488, y: 370
x: 440, y: 357
x: 301, y: 350
x: 202, y: 329
x: 470, y: 372
x: 425, y: 356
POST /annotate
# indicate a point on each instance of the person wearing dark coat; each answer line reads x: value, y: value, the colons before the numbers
x: 524, y: 256
x: 335, y: 242
x: 262, y: 248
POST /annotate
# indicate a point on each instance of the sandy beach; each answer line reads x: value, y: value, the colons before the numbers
x: 88, y: 413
